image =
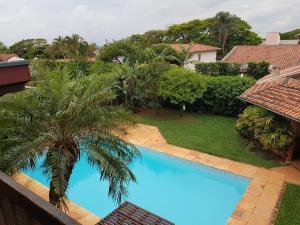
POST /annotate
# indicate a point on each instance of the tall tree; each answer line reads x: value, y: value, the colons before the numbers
x: 30, y: 48
x: 225, y: 25
x: 53, y: 118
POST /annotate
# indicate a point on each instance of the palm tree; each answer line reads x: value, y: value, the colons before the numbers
x: 224, y: 26
x: 63, y: 119
x: 59, y: 46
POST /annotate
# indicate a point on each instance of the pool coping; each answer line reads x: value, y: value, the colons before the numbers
x: 76, y: 212
x: 258, y: 205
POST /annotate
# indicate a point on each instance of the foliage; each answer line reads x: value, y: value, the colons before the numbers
x: 100, y: 67
x: 289, y: 213
x: 181, y: 86
x: 150, y: 75
x: 76, y: 68
x: 258, y: 69
x: 212, y: 134
x: 224, y: 25
x: 3, y: 48
x: 149, y: 38
x: 72, y: 47
x: 222, y: 95
x: 30, y: 48
x: 264, y: 129
x: 290, y: 35
x: 193, y: 31
x: 121, y: 51
x: 218, y: 68
x: 224, y: 29
x: 53, y: 118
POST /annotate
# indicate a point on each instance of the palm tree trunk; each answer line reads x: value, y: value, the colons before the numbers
x: 54, y: 197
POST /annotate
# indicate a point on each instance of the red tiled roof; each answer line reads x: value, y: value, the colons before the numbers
x: 286, y: 73
x: 5, y: 57
x: 284, y: 56
x: 194, y: 48
x: 279, y: 94
x: 129, y: 213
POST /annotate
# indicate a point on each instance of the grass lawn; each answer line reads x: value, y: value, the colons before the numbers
x: 206, y: 133
x: 289, y: 213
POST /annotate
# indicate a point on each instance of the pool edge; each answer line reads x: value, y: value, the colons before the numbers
x: 257, y: 206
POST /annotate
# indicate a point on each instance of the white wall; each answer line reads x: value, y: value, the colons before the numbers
x: 205, y: 57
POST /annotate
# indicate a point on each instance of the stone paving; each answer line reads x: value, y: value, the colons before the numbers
x: 258, y: 206
x: 292, y: 174
x: 76, y: 212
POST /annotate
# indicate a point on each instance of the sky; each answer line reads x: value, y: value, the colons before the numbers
x: 101, y: 20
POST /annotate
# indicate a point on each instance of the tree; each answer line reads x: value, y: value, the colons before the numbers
x: 121, y: 51
x: 59, y: 47
x: 53, y: 118
x: 181, y: 86
x: 77, y: 48
x: 290, y: 34
x: 3, y: 48
x: 197, y: 31
x: 223, y: 27
x: 30, y: 48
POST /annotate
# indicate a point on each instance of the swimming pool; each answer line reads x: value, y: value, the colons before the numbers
x: 178, y: 190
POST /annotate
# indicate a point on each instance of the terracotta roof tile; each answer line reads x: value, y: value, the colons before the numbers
x: 281, y: 96
x: 5, y: 57
x: 129, y: 213
x: 194, y: 48
x: 284, y: 56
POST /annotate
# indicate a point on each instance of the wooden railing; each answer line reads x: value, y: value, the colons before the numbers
x: 19, y: 206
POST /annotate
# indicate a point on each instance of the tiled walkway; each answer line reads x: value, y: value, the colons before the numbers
x: 292, y: 175
x: 258, y: 205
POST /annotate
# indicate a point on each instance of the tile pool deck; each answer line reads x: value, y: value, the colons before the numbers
x: 258, y: 206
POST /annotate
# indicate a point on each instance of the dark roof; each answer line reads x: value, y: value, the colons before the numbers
x: 130, y: 214
x: 278, y: 93
x: 194, y: 47
x: 283, y: 56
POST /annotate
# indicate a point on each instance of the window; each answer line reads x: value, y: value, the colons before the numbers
x: 199, y: 57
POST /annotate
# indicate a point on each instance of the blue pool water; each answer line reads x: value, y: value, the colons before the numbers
x: 180, y: 191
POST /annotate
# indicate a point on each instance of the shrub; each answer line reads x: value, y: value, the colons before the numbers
x: 222, y: 95
x: 181, y: 86
x: 218, y: 68
x: 258, y: 70
x: 264, y: 129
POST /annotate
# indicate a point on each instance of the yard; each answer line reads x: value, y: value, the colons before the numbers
x: 212, y: 134
x: 289, y: 213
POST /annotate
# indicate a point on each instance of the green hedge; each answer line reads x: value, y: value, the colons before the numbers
x: 258, y: 70
x: 222, y: 95
x: 218, y: 69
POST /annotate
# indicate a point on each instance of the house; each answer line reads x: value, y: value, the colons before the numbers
x: 273, y: 38
x: 279, y: 54
x: 9, y: 58
x: 199, y: 53
x: 280, y: 93
x: 13, y: 76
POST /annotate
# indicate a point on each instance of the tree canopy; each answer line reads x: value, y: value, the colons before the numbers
x: 62, y: 119
x: 181, y: 86
x: 30, y: 48
x: 290, y: 34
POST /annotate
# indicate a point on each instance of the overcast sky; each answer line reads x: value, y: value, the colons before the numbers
x: 98, y: 20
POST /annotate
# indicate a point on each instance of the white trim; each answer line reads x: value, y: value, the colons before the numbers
x: 229, y: 53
